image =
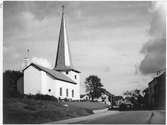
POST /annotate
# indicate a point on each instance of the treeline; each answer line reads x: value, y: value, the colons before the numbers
x: 10, y: 83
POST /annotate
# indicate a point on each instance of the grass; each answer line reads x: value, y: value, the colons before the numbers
x: 35, y: 111
x: 28, y: 111
x: 88, y: 105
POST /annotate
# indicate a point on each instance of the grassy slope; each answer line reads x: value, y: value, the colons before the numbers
x: 88, y: 105
x: 17, y: 110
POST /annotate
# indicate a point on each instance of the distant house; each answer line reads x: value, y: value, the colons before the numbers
x: 106, y: 98
x: 62, y: 81
x: 127, y: 101
x: 155, y: 94
x: 157, y: 91
x: 84, y: 97
x: 117, y: 100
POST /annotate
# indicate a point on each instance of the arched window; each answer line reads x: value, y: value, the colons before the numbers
x: 72, y: 93
x: 67, y: 92
x: 60, y: 91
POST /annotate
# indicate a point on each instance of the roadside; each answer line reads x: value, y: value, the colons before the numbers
x: 158, y: 117
x: 85, y: 118
x: 100, y: 110
x: 88, y: 105
x: 116, y: 117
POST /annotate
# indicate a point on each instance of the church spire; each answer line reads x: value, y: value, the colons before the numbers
x: 63, y: 59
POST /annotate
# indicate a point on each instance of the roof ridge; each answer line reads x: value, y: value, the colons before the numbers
x: 56, y: 74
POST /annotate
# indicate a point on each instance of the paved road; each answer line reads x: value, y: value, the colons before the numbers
x: 158, y: 117
x: 130, y: 117
x: 125, y: 117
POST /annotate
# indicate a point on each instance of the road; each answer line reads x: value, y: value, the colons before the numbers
x: 123, y: 117
x: 130, y: 117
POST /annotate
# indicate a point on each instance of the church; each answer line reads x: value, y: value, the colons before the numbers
x: 62, y: 81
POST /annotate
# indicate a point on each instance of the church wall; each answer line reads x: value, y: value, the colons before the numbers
x: 32, y: 80
x: 72, y: 74
x: 55, y: 85
x: 36, y: 81
x: 44, y: 83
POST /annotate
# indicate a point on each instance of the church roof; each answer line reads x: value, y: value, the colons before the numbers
x: 63, y: 59
x: 55, y: 74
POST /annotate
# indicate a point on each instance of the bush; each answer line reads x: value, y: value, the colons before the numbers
x: 66, y: 100
x: 125, y: 107
x: 10, y: 83
x: 122, y: 107
x: 42, y: 97
x: 29, y: 107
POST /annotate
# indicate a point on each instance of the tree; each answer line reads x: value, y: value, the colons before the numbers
x: 146, y: 98
x: 10, y: 82
x: 94, y: 86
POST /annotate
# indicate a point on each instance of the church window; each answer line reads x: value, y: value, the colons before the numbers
x: 72, y: 93
x: 66, y: 72
x: 60, y: 91
x: 49, y: 90
x: 67, y: 92
x: 75, y: 76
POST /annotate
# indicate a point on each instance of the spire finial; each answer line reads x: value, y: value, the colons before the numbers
x: 28, y: 50
x: 62, y: 9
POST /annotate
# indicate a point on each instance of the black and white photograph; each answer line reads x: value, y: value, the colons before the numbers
x: 84, y: 62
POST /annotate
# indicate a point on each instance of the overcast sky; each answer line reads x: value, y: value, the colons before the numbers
x: 121, y: 42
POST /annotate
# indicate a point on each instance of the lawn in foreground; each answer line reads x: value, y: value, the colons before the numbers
x: 27, y: 111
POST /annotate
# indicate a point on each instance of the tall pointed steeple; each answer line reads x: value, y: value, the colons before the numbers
x: 63, y: 59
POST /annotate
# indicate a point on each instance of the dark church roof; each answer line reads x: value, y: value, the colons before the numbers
x: 55, y: 74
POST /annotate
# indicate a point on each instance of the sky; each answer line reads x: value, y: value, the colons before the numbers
x: 123, y: 43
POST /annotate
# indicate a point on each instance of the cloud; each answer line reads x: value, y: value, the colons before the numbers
x: 11, y: 52
x: 154, y: 49
x: 99, y: 32
x: 41, y: 61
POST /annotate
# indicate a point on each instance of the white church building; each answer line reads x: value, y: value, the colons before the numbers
x: 62, y: 81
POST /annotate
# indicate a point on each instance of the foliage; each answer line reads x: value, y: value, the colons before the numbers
x: 42, y: 97
x: 135, y: 98
x: 10, y: 83
x: 124, y: 107
x: 146, y: 98
x: 94, y: 86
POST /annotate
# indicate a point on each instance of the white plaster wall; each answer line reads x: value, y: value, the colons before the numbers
x: 71, y: 74
x: 55, y: 86
x: 32, y: 81
x: 36, y: 81
x: 44, y: 83
x: 85, y: 97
